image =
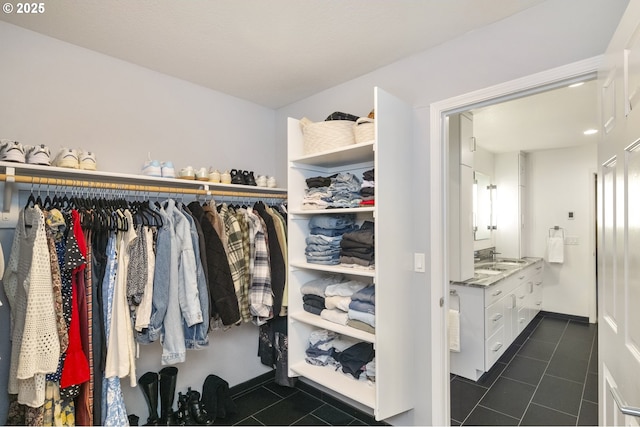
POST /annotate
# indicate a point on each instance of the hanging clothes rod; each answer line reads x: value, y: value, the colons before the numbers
x: 136, y: 188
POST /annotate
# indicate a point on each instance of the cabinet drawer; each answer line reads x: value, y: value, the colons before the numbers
x: 494, y: 293
x: 494, y: 318
x: 494, y: 347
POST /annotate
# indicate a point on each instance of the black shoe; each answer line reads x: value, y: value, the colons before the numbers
x: 237, y: 177
x: 197, y: 409
x: 249, y: 179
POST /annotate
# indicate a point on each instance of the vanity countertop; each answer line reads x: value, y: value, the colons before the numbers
x: 489, y: 272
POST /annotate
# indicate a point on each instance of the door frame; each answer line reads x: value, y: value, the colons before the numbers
x: 439, y: 274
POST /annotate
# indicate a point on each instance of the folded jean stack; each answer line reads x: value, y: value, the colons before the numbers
x: 367, y: 189
x: 329, y: 348
x: 341, y: 190
x: 338, y: 299
x: 357, y: 247
x: 325, y: 234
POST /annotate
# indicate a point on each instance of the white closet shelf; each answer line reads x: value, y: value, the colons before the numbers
x: 341, y: 156
x: 363, y: 392
x: 354, y: 271
x: 53, y: 172
x: 315, y: 320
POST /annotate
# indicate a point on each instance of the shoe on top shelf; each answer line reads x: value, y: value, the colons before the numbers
x: 225, y: 177
x: 87, y: 160
x: 214, y: 175
x: 67, y: 158
x: 202, y: 174
x: 237, y: 177
x: 168, y: 171
x: 261, y: 181
x: 38, y: 155
x: 248, y: 178
x: 11, y: 151
x: 152, y: 168
x: 271, y: 182
x: 187, y: 173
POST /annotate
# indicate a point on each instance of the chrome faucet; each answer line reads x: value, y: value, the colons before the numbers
x: 493, y: 254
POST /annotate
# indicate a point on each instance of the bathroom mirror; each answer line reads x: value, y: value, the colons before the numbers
x: 481, y: 206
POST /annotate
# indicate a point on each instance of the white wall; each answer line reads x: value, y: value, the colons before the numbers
x: 560, y: 181
x: 63, y: 95
x: 512, y: 48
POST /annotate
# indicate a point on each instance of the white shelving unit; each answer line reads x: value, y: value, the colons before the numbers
x: 390, y: 155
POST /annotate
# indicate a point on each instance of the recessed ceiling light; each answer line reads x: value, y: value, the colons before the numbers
x: 590, y: 131
x: 576, y: 84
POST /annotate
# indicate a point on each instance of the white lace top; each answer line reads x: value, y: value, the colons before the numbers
x: 27, y: 280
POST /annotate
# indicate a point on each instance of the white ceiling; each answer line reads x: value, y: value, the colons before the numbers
x: 553, y: 119
x: 271, y: 52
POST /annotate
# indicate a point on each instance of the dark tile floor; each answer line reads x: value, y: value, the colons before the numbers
x: 547, y: 377
x: 263, y: 402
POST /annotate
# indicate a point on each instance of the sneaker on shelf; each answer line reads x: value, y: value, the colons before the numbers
x: 152, y: 168
x: 168, y: 171
x: 261, y: 181
x: 38, y: 155
x: 237, y: 177
x: 67, y: 158
x: 248, y: 178
x: 87, y: 160
x: 214, y: 175
x: 271, y: 182
x: 11, y: 151
x: 225, y: 177
x: 187, y: 173
x: 202, y: 174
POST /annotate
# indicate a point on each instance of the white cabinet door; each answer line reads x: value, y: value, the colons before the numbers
x: 619, y: 224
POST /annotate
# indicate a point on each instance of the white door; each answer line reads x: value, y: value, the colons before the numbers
x: 619, y: 226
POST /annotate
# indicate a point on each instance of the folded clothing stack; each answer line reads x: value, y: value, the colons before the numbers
x: 337, y: 300
x: 367, y: 189
x: 362, y: 310
x: 357, y: 247
x: 329, y: 348
x: 341, y: 190
x: 313, y: 292
x: 325, y: 234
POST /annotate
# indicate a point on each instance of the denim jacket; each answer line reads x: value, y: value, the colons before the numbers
x: 196, y: 336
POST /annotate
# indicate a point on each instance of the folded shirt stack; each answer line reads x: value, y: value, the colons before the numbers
x: 341, y: 190
x: 337, y: 300
x: 362, y: 310
x: 324, y: 347
x: 325, y: 235
x: 367, y: 188
x: 313, y: 297
x: 357, y: 247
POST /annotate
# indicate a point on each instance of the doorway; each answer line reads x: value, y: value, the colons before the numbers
x: 439, y: 225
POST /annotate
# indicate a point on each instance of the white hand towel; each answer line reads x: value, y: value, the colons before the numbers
x: 555, y: 249
x: 454, y: 330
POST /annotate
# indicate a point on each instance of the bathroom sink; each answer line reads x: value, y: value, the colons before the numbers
x: 511, y: 261
x: 489, y: 271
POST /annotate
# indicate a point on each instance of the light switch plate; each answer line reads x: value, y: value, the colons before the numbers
x: 418, y: 262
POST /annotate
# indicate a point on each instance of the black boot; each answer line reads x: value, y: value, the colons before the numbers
x: 197, y: 409
x: 148, y: 383
x: 183, y: 414
x: 168, y: 377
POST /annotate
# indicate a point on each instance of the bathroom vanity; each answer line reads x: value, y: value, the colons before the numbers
x: 495, y: 306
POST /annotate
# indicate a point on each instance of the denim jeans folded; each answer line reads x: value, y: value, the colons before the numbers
x: 332, y: 232
x: 319, y: 239
x: 332, y: 221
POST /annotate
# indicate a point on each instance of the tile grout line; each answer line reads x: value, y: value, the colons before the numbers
x: 586, y: 377
x: 545, y: 369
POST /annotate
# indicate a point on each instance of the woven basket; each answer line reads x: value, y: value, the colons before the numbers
x: 365, y: 130
x: 327, y: 135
